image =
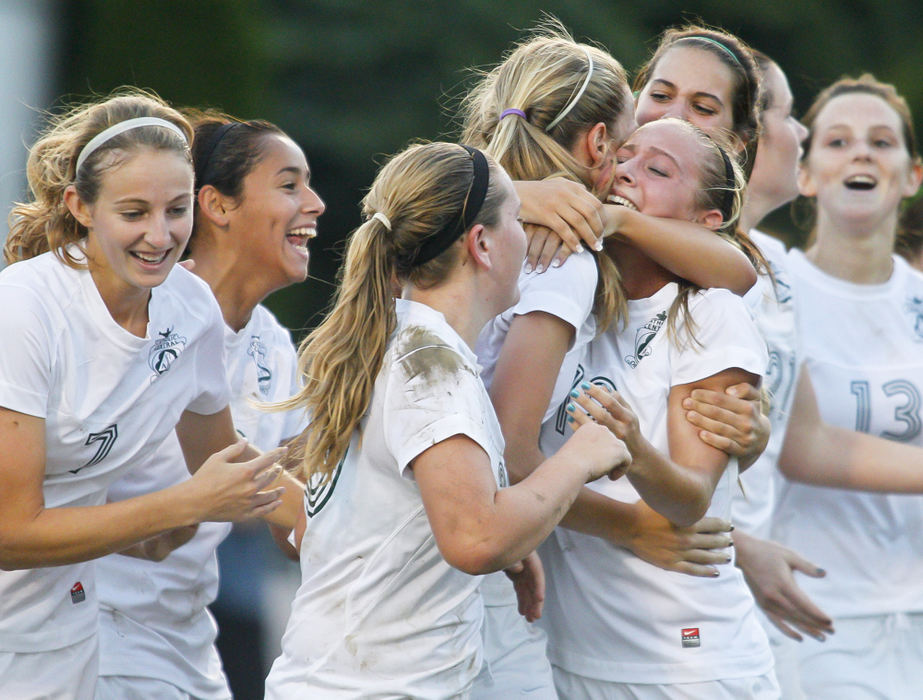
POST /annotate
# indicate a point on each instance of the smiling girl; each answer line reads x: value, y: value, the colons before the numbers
x: 652, y: 633
x: 406, y: 505
x: 859, y: 322
x: 255, y: 213
x: 108, y: 346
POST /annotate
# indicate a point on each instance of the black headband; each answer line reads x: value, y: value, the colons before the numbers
x: 216, y: 139
x: 462, y: 221
x: 730, y: 184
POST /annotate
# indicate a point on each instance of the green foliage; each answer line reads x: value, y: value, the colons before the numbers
x: 355, y: 81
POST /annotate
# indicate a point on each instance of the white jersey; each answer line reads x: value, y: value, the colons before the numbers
x: 567, y: 292
x: 608, y: 614
x: 863, y: 347
x: 773, y: 310
x: 154, y: 620
x: 379, y: 612
x: 108, y: 399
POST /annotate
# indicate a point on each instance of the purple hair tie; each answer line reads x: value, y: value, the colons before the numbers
x: 517, y: 112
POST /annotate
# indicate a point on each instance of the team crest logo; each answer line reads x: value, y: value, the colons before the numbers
x: 783, y: 288
x: 914, y: 308
x: 78, y: 595
x: 643, y: 339
x: 257, y: 351
x: 320, y: 488
x: 165, y: 351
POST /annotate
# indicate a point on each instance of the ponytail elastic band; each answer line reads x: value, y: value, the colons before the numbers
x: 121, y: 127
x: 464, y: 219
x: 385, y: 221
x: 576, y: 98
x: 508, y: 112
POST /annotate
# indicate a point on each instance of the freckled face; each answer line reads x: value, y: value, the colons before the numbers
x: 858, y: 165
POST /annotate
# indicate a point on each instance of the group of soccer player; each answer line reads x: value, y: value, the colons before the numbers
x: 572, y: 428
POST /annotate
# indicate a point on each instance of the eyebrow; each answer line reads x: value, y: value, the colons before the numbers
x: 139, y: 200
x: 294, y: 171
x: 873, y: 127
x: 700, y: 93
x: 659, y: 151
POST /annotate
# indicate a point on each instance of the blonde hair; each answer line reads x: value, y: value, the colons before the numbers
x: 419, y: 192
x: 45, y: 223
x: 541, y: 77
x: 721, y: 186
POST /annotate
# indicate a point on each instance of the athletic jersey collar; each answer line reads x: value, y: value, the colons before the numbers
x: 409, y: 312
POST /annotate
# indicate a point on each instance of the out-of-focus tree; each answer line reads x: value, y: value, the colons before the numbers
x: 354, y: 81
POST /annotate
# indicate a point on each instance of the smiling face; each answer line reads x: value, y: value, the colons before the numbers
x: 277, y: 213
x: 858, y: 168
x: 691, y: 84
x: 658, y: 172
x: 139, y: 224
x: 775, y: 167
x: 618, y: 131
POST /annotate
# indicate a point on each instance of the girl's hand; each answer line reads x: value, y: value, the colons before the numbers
x: 598, y: 449
x: 769, y: 571
x: 528, y: 579
x: 732, y: 422
x: 230, y: 491
x: 571, y: 213
x: 696, y: 550
x: 608, y: 408
x: 546, y: 249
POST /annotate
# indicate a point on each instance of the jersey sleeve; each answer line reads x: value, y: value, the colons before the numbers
x: 26, y: 357
x: 725, y: 337
x: 433, y: 394
x: 567, y: 292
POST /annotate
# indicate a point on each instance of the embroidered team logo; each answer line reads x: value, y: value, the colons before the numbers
x: 77, y: 593
x: 104, y: 440
x: 257, y: 351
x: 165, y: 351
x: 690, y: 637
x: 914, y: 308
x: 320, y: 488
x: 643, y: 339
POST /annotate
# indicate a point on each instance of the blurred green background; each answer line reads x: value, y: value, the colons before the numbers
x: 355, y: 81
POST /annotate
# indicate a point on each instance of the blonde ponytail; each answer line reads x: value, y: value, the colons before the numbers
x: 415, y: 196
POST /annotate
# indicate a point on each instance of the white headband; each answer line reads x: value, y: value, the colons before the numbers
x: 117, y: 129
x: 576, y: 98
